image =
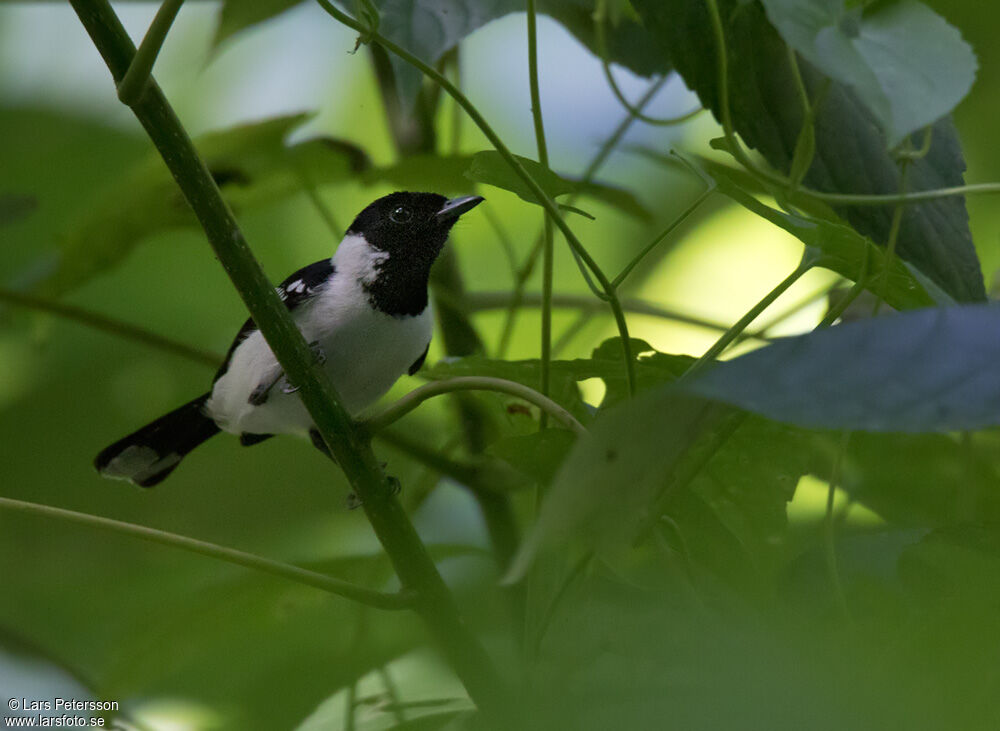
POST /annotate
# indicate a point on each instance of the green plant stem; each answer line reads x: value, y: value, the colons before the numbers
x: 890, y: 248
x: 662, y: 235
x: 416, y: 134
x: 836, y: 199
x: 547, y: 247
x: 360, y: 594
x: 524, y: 273
x: 856, y: 289
x: 132, y: 85
x: 829, y: 529
x: 480, y: 478
x: 495, y: 300
x: 110, y: 325
x: 349, y: 445
x: 540, y: 195
x: 732, y: 333
x: 414, y: 398
x: 600, y: 28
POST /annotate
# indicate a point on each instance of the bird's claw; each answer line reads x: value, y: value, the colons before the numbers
x: 319, y: 356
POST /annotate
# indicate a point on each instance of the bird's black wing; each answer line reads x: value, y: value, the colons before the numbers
x: 298, y: 288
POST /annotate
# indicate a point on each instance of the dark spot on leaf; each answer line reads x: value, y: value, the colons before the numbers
x: 611, y: 455
x: 518, y: 409
x: 229, y: 176
x: 357, y: 159
x: 14, y: 207
x: 850, y: 24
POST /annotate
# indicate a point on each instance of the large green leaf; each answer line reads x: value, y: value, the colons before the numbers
x: 833, y: 245
x: 429, y: 28
x: 652, y: 369
x: 612, y: 477
x: 930, y: 370
x: 922, y: 480
x: 906, y: 63
x: 851, y: 155
x: 731, y: 517
x: 235, y: 15
x: 628, y: 41
x: 252, y: 165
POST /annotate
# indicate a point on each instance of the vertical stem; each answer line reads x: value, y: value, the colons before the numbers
x: 416, y: 135
x: 829, y: 529
x: 897, y: 222
x: 732, y: 333
x: 543, y: 158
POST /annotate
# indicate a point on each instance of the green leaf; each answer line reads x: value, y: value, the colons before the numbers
x: 251, y: 164
x: 236, y: 15
x: 629, y: 43
x: 14, y: 208
x: 839, y: 248
x: 429, y: 28
x: 450, y: 174
x: 931, y: 370
x: 652, y: 369
x: 613, y: 475
x: 731, y: 516
x: 906, y: 63
x: 922, y: 480
x: 490, y: 168
x: 851, y: 155
x: 835, y: 246
x: 537, y: 455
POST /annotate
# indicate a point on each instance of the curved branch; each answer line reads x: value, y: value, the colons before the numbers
x: 369, y: 597
x: 414, y: 398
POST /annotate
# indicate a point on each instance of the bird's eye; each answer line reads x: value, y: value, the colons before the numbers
x: 401, y: 214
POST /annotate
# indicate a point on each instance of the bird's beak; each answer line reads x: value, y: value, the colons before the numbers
x: 457, y: 206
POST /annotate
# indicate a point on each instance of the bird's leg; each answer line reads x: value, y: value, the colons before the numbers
x: 260, y: 394
x: 320, y: 357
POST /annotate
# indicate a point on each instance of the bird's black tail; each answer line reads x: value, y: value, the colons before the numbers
x: 147, y: 456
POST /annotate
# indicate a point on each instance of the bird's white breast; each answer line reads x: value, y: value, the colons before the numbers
x: 366, y: 351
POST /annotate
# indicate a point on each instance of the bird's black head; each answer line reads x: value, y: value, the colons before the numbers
x: 411, y: 225
x: 411, y: 229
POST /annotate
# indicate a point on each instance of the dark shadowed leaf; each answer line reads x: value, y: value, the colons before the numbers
x: 252, y: 166
x: 538, y: 455
x: 851, y: 154
x: 612, y: 477
x: 922, y: 480
x: 14, y: 207
x: 931, y: 370
x: 429, y: 28
x: 629, y: 43
x: 731, y: 516
x: 906, y: 63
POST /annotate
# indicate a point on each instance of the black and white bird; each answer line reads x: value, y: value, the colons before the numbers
x: 366, y: 314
